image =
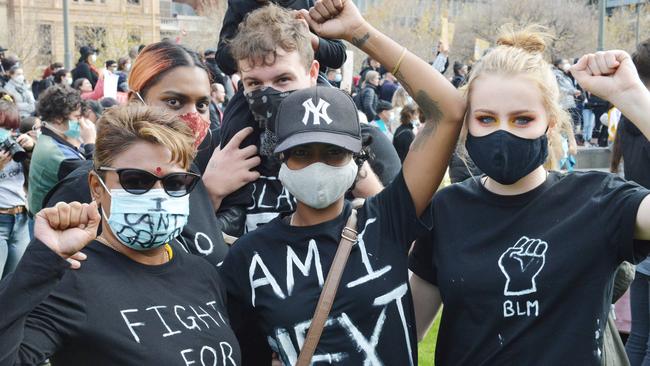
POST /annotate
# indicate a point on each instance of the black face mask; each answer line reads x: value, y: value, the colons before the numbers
x: 264, y: 103
x: 507, y: 158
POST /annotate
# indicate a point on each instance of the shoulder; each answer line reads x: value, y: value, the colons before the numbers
x: 248, y: 242
x: 74, y: 187
x: 195, y: 263
x: 45, y: 147
x: 589, y: 179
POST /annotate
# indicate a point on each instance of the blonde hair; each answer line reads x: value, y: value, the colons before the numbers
x: 400, y: 98
x: 521, y: 52
x: 121, y: 127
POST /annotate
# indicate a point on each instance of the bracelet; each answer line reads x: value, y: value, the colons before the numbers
x: 399, y: 62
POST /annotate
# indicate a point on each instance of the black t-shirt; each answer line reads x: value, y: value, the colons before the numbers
x: 383, y: 158
x: 201, y: 236
x: 636, y: 152
x: 276, y: 274
x: 526, y: 279
x: 114, y: 311
x: 402, y: 140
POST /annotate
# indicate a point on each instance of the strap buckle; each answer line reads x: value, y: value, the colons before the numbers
x: 350, y: 235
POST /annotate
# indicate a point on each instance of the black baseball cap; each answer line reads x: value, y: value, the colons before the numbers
x: 318, y: 114
x: 87, y: 50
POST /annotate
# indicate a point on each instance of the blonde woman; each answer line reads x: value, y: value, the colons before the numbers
x: 524, y: 258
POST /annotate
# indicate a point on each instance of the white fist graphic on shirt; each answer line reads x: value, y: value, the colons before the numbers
x: 521, y: 263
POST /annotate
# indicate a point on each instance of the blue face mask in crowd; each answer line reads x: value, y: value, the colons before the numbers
x: 146, y: 221
x: 74, y: 129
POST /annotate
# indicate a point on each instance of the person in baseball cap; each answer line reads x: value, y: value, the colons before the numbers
x: 318, y: 132
x: 318, y: 114
x: 319, y: 141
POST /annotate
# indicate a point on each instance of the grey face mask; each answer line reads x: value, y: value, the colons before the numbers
x: 319, y: 185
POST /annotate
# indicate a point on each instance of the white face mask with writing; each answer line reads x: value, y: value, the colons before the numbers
x: 318, y: 185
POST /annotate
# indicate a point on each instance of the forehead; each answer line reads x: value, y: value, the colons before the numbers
x: 505, y: 92
x: 190, y: 81
x: 145, y: 155
x: 285, y: 62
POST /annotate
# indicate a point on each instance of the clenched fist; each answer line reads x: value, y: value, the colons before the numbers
x: 67, y: 228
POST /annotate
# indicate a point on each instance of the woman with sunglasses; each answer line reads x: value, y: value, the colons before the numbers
x: 171, y: 77
x: 139, y: 299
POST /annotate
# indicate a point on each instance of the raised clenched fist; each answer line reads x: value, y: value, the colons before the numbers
x: 67, y: 228
x: 521, y: 263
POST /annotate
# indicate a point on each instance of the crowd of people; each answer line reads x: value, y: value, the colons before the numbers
x: 237, y: 207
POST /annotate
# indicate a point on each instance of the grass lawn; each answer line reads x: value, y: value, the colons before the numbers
x: 427, y: 348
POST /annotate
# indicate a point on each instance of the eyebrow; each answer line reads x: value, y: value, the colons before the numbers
x: 522, y: 111
x: 170, y: 93
x: 284, y: 74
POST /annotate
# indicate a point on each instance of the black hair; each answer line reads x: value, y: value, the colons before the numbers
x: 58, y: 102
x: 77, y: 83
x: 121, y: 63
x: 641, y: 59
x: 108, y: 102
x: 59, y: 76
x: 27, y: 123
x: 457, y: 67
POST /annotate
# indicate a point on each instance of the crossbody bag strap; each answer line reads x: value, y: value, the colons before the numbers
x: 327, y: 295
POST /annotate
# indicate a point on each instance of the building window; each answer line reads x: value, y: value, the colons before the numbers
x: 45, y: 41
x: 87, y: 35
x: 133, y: 2
x: 135, y: 37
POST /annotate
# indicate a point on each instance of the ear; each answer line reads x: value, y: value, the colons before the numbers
x: 97, y: 192
x: 313, y: 72
x: 552, y: 124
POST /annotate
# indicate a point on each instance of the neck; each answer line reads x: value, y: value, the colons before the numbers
x: 533, y: 180
x: 55, y: 127
x: 308, y: 216
x: 151, y: 257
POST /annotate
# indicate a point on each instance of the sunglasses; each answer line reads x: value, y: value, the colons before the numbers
x: 138, y: 181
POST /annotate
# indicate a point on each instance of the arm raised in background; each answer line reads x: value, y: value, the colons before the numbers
x: 611, y: 75
x: 441, y: 103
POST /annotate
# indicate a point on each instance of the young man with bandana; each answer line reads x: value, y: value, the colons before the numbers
x: 274, y: 56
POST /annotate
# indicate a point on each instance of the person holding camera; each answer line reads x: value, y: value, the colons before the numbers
x: 14, y: 232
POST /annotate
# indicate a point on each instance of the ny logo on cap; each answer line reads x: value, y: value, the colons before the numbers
x: 319, y: 111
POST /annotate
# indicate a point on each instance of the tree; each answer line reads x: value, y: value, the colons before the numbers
x: 202, y: 32
x: 621, y: 27
x: 573, y: 24
x: 412, y: 23
x: 25, y: 42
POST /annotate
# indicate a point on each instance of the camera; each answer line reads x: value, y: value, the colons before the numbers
x: 18, y: 154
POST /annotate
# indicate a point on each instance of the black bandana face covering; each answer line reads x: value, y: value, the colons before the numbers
x: 507, y: 158
x: 264, y: 103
